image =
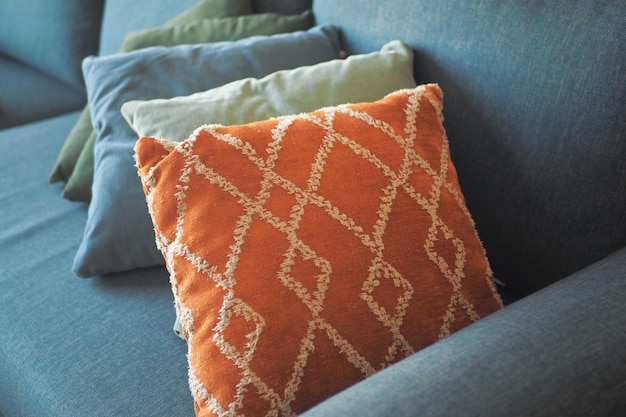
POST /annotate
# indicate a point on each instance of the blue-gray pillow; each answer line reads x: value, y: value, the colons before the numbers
x: 119, y: 234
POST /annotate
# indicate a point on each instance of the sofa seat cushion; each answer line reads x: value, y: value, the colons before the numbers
x: 71, y: 347
x: 26, y: 94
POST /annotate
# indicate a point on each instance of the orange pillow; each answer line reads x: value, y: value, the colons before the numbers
x: 308, y: 252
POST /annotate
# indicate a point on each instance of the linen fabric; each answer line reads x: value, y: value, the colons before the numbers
x: 122, y: 17
x: 78, y: 185
x: 72, y: 147
x: 308, y: 252
x: 207, y: 9
x: 118, y: 235
x: 358, y: 78
x: 78, y: 145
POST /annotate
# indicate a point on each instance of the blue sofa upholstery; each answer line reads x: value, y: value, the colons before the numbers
x: 535, y: 100
x: 42, y: 45
x: 73, y: 347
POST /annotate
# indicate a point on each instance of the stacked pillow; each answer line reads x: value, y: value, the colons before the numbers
x: 208, y: 21
x: 308, y: 252
x: 80, y: 134
x: 357, y: 78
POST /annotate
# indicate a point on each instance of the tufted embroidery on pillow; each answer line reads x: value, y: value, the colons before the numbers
x: 308, y: 252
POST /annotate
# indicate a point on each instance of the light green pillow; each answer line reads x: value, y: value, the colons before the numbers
x: 78, y: 136
x: 78, y: 187
x: 358, y: 78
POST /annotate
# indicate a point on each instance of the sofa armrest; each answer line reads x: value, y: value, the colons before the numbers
x: 560, y: 351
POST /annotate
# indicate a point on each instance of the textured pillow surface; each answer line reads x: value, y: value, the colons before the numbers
x: 367, y: 77
x: 308, y: 252
x: 118, y: 234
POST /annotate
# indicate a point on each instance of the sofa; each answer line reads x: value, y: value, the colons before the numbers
x: 534, y: 149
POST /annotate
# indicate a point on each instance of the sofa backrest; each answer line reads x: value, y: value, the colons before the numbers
x: 51, y: 35
x: 535, y: 111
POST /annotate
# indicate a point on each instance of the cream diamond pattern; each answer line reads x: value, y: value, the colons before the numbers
x: 382, y: 274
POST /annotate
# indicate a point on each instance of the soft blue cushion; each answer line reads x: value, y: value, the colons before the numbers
x: 119, y: 233
x: 72, y: 347
x: 535, y: 97
x: 26, y: 94
x: 559, y: 352
x: 51, y: 35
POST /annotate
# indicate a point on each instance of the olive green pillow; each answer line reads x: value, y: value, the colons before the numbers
x: 207, y: 9
x: 358, y: 78
x: 213, y: 30
x: 78, y: 136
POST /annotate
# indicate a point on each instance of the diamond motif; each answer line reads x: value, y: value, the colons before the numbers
x: 308, y: 252
x: 391, y: 311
